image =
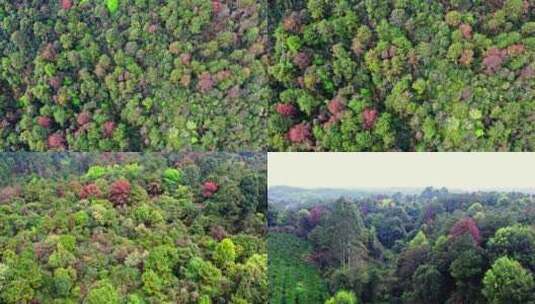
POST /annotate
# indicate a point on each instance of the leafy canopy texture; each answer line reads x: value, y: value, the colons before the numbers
x: 342, y: 297
x: 133, y: 75
x: 508, y: 282
x: 73, y: 236
x: 323, y: 249
x: 363, y: 75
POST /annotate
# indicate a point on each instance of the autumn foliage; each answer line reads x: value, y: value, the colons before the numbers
x: 89, y: 190
x: 209, y: 188
x: 466, y: 225
x: 119, y: 192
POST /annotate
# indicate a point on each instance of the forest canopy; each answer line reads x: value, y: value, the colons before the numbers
x: 133, y: 75
x: 432, y: 247
x: 402, y: 75
x: 133, y: 228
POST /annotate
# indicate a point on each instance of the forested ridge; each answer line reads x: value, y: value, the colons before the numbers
x: 133, y: 75
x: 133, y: 228
x: 433, y: 247
x: 409, y: 75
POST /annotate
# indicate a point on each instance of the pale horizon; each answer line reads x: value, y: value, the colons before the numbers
x: 455, y: 171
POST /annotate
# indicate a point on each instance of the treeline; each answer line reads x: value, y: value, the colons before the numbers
x: 434, y: 247
x: 411, y: 75
x: 135, y: 229
x: 133, y: 75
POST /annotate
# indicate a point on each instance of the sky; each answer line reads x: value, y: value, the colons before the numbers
x: 462, y: 171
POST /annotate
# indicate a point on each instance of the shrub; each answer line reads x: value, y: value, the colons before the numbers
x: 119, y: 192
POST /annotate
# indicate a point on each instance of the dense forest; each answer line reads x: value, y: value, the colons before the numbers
x: 410, y: 75
x: 133, y: 75
x: 133, y: 228
x: 432, y: 247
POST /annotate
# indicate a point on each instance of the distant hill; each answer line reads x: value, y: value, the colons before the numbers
x: 288, y: 197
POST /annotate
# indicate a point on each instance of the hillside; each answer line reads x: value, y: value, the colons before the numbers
x: 134, y: 228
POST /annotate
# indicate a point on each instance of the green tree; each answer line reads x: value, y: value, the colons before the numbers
x: 508, y: 282
x: 343, y: 297
x: 103, y: 293
x: 225, y: 253
x: 517, y: 242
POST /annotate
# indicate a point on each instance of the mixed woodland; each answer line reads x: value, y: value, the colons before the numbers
x: 432, y: 247
x: 402, y: 75
x: 128, y: 228
x: 133, y: 75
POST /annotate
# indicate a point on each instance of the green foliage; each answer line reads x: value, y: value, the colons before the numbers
x: 402, y: 76
x: 56, y: 247
x: 400, y: 247
x: 508, y: 282
x: 225, y: 253
x: 293, y: 280
x: 342, y: 297
x: 112, y: 5
x: 63, y: 282
x: 105, y: 293
x: 96, y: 172
x: 20, y: 277
x: 517, y: 242
x: 111, y: 75
x: 419, y: 240
x: 172, y: 177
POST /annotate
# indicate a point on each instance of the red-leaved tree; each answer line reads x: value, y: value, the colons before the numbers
x: 286, y: 109
x: 119, y: 192
x: 299, y: 133
x: 66, y: 4
x: 44, y: 121
x: 369, y: 116
x: 209, y: 188
x: 89, y: 190
x: 466, y: 225
x: 315, y: 216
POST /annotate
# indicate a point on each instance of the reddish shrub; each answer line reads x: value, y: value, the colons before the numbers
x: 66, y: 4
x: 286, y: 109
x: 466, y: 225
x: 369, y: 117
x: 206, y: 82
x: 108, y: 128
x: 493, y: 60
x: 527, y: 72
x: 55, y: 82
x: 44, y: 121
x: 153, y: 28
x: 302, y: 60
x: 466, y: 57
x: 291, y: 23
x: 234, y: 92
x: 515, y: 49
x: 466, y: 30
x: 185, y: 58
x: 83, y: 118
x: 299, y: 133
x: 89, y: 190
x: 9, y: 192
x: 218, y: 232
x: 217, y: 7
x: 49, y: 53
x: 209, y: 188
x: 336, y: 105
x: 119, y: 192
x: 56, y: 141
x: 315, y: 215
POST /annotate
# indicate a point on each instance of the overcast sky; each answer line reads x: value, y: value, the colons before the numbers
x: 463, y: 171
